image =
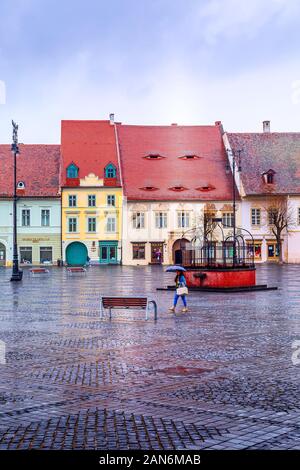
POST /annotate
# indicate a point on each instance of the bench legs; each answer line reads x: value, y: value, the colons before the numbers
x: 102, y: 310
x: 154, y: 308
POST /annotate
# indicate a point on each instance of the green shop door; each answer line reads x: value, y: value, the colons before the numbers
x: 108, y: 252
x: 76, y: 254
x: 2, y: 254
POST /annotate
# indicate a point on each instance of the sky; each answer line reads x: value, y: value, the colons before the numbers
x: 149, y: 62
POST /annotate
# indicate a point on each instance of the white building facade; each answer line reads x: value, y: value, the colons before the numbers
x: 270, y: 169
x: 154, y: 231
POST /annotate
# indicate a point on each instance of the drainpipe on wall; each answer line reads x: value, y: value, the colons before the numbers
x: 121, y: 181
x: 61, y: 242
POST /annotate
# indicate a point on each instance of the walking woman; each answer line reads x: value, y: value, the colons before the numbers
x: 181, y: 291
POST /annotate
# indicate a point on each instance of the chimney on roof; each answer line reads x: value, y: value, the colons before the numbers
x: 112, y: 118
x: 266, y: 126
x: 174, y: 124
x: 220, y: 126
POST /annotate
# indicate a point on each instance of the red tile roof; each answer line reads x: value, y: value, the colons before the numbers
x: 91, y: 145
x: 38, y: 166
x: 173, y: 142
x: 261, y: 152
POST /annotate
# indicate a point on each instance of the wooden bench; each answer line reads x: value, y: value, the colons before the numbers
x: 34, y: 271
x: 134, y: 302
x: 75, y: 270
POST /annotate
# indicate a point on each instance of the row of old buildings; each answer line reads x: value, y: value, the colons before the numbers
x: 114, y: 193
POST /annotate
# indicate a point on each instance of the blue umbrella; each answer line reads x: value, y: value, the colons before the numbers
x: 173, y: 269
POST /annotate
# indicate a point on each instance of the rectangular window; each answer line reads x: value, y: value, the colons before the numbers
x: 25, y: 217
x: 209, y: 251
x: 228, y: 249
x: 111, y: 200
x: 72, y: 221
x: 138, y: 220
x: 92, y: 200
x: 161, y: 220
x: 255, y: 216
x: 72, y: 200
x: 272, y: 213
x: 227, y: 219
x: 26, y: 254
x: 111, y: 224
x: 272, y: 251
x: 45, y: 217
x: 91, y: 224
x: 138, y: 250
x: 46, y: 254
x: 299, y: 216
x: 157, y: 252
x: 254, y: 250
x: 183, y: 219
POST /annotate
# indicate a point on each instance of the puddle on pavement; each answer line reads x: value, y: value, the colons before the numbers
x: 183, y: 371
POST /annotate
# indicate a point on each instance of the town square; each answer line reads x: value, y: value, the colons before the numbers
x: 219, y: 377
x: 149, y: 233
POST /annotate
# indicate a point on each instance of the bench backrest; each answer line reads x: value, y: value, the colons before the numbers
x: 123, y: 302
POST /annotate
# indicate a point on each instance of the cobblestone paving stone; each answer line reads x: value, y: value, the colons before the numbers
x: 218, y: 377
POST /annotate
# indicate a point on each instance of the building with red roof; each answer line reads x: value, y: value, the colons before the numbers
x: 91, y: 147
x: 38, y: 166
x: 171, y: 176
x: 91, y: 192
x: 269, y: 180
x: 173, y: 162
x: 38, y: 208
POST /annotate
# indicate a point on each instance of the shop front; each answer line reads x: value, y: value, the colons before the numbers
x: 108, y: 252
x: 39, y: 250
x: 254, y: 249
x: 157, y: 252
x: 272, y: 251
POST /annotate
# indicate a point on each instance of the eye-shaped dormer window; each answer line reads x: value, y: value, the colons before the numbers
x: 149, y: 188
x: 189, y: 156
x: 178, y: 188
x: 21, y: 185
x: 153, y: 156
x: 206, y: 187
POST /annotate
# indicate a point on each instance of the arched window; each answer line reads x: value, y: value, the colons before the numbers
x: 110, y: 171
x: 72, y: 171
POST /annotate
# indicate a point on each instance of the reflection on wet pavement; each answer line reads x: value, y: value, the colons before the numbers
x: 220, y: 376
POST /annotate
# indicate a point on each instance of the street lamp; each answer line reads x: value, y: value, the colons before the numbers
x: 236, y: 167
x: 17, y: 274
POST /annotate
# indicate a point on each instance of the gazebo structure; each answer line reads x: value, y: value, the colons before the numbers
x: 214, y: 259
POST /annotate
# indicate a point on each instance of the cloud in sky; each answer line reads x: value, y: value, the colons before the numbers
x: 152, y: 62
x: 233, y: 18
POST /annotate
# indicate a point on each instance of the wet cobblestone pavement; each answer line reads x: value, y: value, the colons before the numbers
x: 218, y: 377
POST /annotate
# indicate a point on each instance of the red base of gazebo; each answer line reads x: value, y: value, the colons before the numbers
x: 220, y: 277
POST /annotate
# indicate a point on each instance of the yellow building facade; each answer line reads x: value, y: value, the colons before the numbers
x: 91, y: 223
